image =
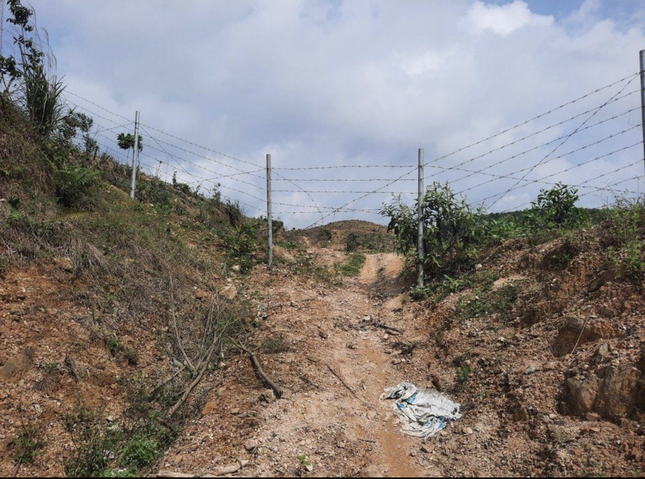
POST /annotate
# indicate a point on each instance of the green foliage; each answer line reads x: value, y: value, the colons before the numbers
x: 139, y: 451
x: 463, y: 373
x: 99, y: 448
x: 485, y: 302
x: 27, y: 445
x: 94, y: 446
x: 353, y: 265
x: 305, y: 265
x: 242, y: 244
x: 554, y: 208
x: 302, y: 459
x: 117, y: 349
x: 324, y: 234
x: 452, y: 230
x: 624, y: 240
x: 76, y: 186
x: 126, y: 141
x: 560, y: 257
x: 351, y: 242
x: 26, y: 73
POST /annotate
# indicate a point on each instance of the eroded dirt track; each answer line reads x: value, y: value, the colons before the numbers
x: 333, y: 417
x: 339, y: 361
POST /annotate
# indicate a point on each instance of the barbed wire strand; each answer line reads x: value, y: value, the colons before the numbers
x: 567, y: 138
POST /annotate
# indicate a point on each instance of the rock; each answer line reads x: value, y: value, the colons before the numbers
x: 229, y: 292
x: 521, y: 414
x: 531, y: 369
x: 323, y: 334
x: 467, y: 431
x: 267, y: 396
x: 619, y: 392
x: 551, y: 366
x: 309, y: 467
x: 223, y: 470
x: 425, y: 450
x: 200, y: 294
x: 64, y: 263
x: 592, y: 417
x: 578, y: 331
x: 250, y: 445
x: 236, y: 268
x: 582, y: 394
x: 209, y: 407
x: 603, y: 351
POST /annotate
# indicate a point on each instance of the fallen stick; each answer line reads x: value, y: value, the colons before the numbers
x: 174, y: 324
x: 309, y: 381
x: 258, y: 369
x: 342, y: 381
x: 192, y: 385
x: 387, y: 328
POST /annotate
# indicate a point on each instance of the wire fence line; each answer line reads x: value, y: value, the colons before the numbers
x: 596, y: 171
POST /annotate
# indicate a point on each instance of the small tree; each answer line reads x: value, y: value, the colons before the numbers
x: 31, y: 68
x: 126, y: 142
x: 555, y: 207
x: 452, y: 230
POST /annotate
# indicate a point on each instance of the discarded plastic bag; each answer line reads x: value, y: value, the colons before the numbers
x: 423, y: 413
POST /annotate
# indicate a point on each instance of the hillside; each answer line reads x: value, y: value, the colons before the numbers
x: 103, y: 300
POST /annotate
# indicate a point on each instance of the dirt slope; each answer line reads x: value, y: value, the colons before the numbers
x: 328, y: 347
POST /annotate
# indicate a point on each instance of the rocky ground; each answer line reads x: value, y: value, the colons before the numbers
x: 552, y: 385
x: 548, y: 364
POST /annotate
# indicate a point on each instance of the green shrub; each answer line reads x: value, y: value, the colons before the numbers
x: 629, y: 261
x: 242, y: 244
x: 76, y: 186
x: 463, y: 373
x: 351, y: 243
x: 27, y: 445
x: 324, y: 234
x: 554, y: 208
x: 453, y: 230
x: 138, y: 452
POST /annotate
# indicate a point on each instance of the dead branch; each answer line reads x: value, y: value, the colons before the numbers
x: 174, y: 323
x: 192, y: 385
x: 260, y: 372
x: 342, y: 381
x: 308, y: 381
x: 387, y: 328
x: 167, y: 380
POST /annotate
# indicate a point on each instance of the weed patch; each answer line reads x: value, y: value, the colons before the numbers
x: 352, y: 266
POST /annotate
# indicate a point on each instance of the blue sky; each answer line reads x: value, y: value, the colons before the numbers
x: 359, y: 82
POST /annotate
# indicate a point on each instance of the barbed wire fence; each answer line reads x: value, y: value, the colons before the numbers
x: 499, y: 172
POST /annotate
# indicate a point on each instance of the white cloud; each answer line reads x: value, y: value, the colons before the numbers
x: 504, y: 19
x: 350, y: 82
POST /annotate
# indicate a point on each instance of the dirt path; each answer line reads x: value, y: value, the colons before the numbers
x: 342, y: 428
x: 333, y: 363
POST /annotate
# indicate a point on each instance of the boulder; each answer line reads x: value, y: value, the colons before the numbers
x: 582, y: 394
x: 618, y: 394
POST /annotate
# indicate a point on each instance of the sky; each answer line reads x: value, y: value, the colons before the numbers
x: 359, y: 84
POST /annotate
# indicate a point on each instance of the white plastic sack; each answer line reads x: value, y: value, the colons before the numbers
x: 423, y: 413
